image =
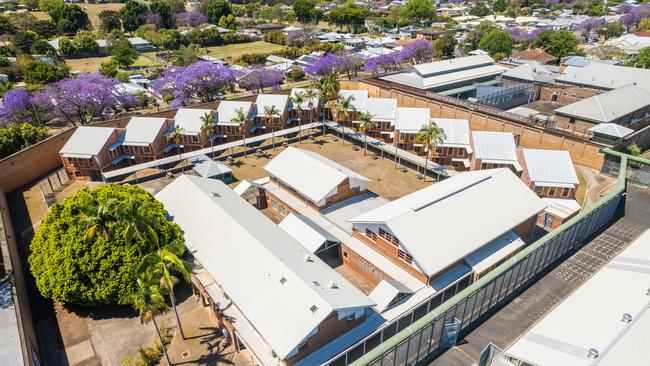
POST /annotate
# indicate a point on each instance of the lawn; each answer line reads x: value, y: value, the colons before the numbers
x: 233, y: 51
x: 93, y: 11
x: 91, y: 64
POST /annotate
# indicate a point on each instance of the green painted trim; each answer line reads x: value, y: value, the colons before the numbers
x: 431, y: 316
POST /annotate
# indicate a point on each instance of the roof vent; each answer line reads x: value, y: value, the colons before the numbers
x: 307, y: 258
x: 215, y: 194
x: 332, y: 285
x: 626, y: 318
x: 313, y: 308
x: 648, y: 292
x: 283, y: 280
x: 593, y: 353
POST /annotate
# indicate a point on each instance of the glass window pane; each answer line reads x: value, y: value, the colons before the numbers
x: 424, y: 342
x: 389, y: 358
x: 400, y: 354
x: 414, y: 346
x: 468, y: 309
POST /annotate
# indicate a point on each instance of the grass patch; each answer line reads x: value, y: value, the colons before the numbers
x: 582, y: 188
x: 232, y: 52
x: 150, y: 356
x: 92, y: 10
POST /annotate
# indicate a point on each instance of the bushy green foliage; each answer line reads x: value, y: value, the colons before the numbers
x: 276, y: 37
x: 215, y: 9
x: 87, y: 247
x: 642, y: 59
x: 559, y: 43
x: 497, y: 41
x: 41, y: 73
x: 16, y: 137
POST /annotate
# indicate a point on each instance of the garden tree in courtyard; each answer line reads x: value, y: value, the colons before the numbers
x: 207, y: 123
x: 497, y: 41
x: 297, y: 100
x: 241, y: 118
x: 343, y: 107
x: 199, y: 82
x: 147, y: 298
x: 215, y: 9
x: 175, y: 136
x: 365, y: 123
x: 430, y: 137
x: 124, y: 54
x: 270, y: 113
x: 80, y: 100
x: 131, y: 15
x: 83, y: 252
x: 163, y: 265
x: 109, y: 20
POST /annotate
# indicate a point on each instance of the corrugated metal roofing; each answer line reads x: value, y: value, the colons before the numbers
x: 490, y: 145
x: 87, y: 141
x: 143, y: 130
x: 609, y: 106
x: 550, y: 166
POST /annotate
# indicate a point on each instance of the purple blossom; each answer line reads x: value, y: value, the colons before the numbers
x: 517, y: 34
x: 624, y: 8
x: 327, y: 65
x: 153, y: 19
x: 535, y: 32
x: 192, y: 19
x: 18, y: 107
x: 635, y: 15
x: 591, y: 24
x: 418, y: 51
x: 382, y: 63
x: 552, y: 2
x: 80, y: 100
x: 199, y: 82
x: 261, y: 78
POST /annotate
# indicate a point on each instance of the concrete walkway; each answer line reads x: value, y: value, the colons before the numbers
x: 513, y: 320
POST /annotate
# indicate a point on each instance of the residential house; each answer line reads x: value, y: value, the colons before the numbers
x: 494, y: 150
x: 141, y: 45
x: 266, y: 124
x: 144, y: 140
x: 430, y: 34
x: 85, y: 154
x: 535, y: 54
x: 605, y: 77
x: 420, y: 231
x: 225, y: 127
x: 194, y: 135
x: 274, y: 296
x: 312, y: 178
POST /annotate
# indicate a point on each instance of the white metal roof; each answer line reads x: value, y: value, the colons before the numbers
x: 382, y: 109
x: 411, y: 120
x: 359, y: 100
x: 427, y: 222
x: 602, y: 76
x: 268, y: 100
x: 609, y: 106
x: 207, y: 167
x: 453, y: 65
x: 189, y: 120
x: 385, y: 293
x: 611, y: 129
x: 227, y: 110
x: 305, y: 232
x: 530, y: 71
x: 496, y: 146
x: 142, y: 131
x: 305, y: 104
x: 456, y: 132
x: 561, y: 207
x: 86, y: 141
x: 310, y: 174
x: 281, y: 288
x: 550, y: 166
x: 591, y: 317
x: 495, y: 251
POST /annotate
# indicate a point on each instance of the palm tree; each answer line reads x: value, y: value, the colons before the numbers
x: 148, y: 300
x: 365, y: 123
x: 343, y: 108
x: 98, y: 218
x: 175, y: 135
x: 161, y: 264
x: 137, y: 224
x: 310, y: 94
x: 270, y: 112
x: 241, y: 118
x: 207, y: 121
x: 430, y: 136
x: 298, y: 99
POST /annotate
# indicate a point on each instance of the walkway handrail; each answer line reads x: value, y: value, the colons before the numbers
x: 393, y: 342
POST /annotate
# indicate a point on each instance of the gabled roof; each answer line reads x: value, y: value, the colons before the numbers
x: 305, y: 104
x: 282, y: 289
x: 427, y: 222
x: 494, y: 146
x: 382, y: 109
x: 611, y: 129
x: 530, y: 71
x: 609, y: 106
x: 189, y: 119
x: 307, y: 233
x: 227, y: 110
x: 310, y: 174
x: 536, y: 54
x: 456, y: 132
x: 207, y: 167
x: 411, y: 120
x: 86, y: 141
x: 360, y: 98
x: 142, y: 131
x: 550, y: 167
x: 602, y: 76
x: 269, y: 100
x: 385, y: 293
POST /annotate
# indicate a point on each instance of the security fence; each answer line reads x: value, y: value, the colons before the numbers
x: 429, y: 334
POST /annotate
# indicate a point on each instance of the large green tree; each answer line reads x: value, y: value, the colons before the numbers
x: 69, y: 18
x: 124, y: 54
x: 87, y: 247
x: 559, y: 43
x: 418, y: 10
x: 474, y: 37
x: 15, y: 137
x: 215, y: 9
x: 131, y: 15
x: 497, y: 41
x: 109, y: 20
x: 304, y: 10
x: 445, y: 45
x: 348, y: 15
x: 642, y: 59
x: 41, y: 73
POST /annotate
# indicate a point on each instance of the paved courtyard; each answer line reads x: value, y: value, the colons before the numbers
x: 509, y: 323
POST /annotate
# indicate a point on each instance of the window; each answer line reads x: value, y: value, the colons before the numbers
x: 551, y: 191
x: 274, y: 204
x: 283, y: 211
x: 351, y: 317
x: 388, y: 237
x: 146, y: 150
x: 371, y: 234
x: 403, y: 256
x: 91, y: 162
x: 303, y: 346
x: 538, y: 190
x: 345, y: 254
x: 565, y: 192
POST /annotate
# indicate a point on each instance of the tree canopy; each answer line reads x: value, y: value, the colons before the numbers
x: 69, y: 18
x: 87, y: 247
x: 131, y: 15
x: 559, y: 43
x: 642, y: 59
x: 418, y: 10
x: 215, y: 9
x: 475, y: 36
x: 497, y: 41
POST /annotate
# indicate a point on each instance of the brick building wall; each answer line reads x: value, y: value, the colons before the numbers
x: 364, y: 269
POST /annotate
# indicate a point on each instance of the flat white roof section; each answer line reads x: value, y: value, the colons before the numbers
x: 311, y: 174
x: 609, y: 106
x: 382, y: 109
x: 269, y: 100
x: 427, y: 222
x: 189, y: 120
x: 561, y: 207
x: 495, y: 147
x: 281, y: 288
x: 86, y: 142
x: 227, y: 111
x: 550, y: 167
x: 359, y: 100
x: 411, y: 120
x: 453, y: 65
x: 592, y: 317
x: 456, y: 132
x: 142, y: 131
x: 310, y: 235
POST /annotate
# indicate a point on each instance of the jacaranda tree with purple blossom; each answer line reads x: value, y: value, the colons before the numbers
x: 84, y: 98
x: 261, y: 78
x: 199, y: 82
x: 416, y: 52
x: 624, y: 8
x: 517, y: 35
x: 382, y: 63
x: 325, y: 66
x: 192, y: 19
x: 634, y: 16
x: 589, y: 25
x: 18, y: 106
